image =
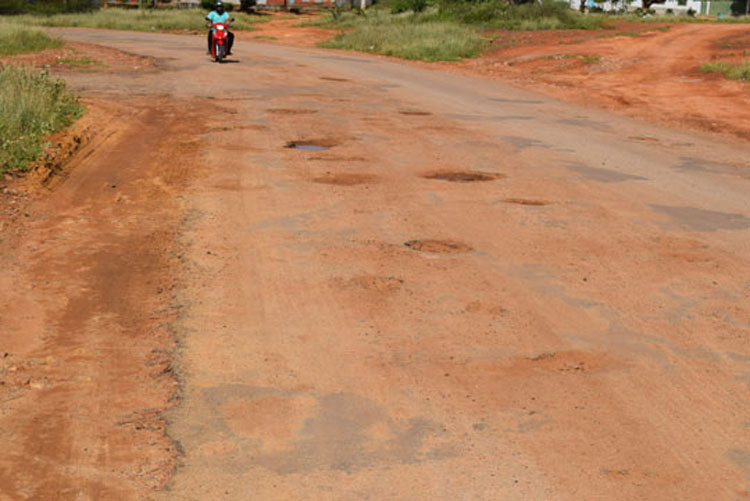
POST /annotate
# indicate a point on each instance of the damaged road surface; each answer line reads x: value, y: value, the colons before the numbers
x: 315, y: 275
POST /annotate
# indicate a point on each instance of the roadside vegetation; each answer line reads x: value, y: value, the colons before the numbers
x: 408, y: 38
x: 740, y: 71
x: 135, y: 20
x: 448, y: 30
x: 15, y: 39
x: 32, y: 105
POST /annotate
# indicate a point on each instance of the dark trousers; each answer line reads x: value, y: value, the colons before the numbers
x: 230, y: 41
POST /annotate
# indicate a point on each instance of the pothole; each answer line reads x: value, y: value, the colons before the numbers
x: 438, y: 246
x: 462, y: 176
x: 415, y: 113
x: 311, y: 144
x: 291, y: 111
x: 525, y: 201
x: 345, y: 179
x: 335, y: 79
x: 644, y: 139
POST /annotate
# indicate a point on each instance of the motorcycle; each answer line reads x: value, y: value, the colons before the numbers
x: 219, y: 40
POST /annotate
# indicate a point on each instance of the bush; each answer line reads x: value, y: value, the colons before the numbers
x: 10, y: 7
x: 32, y: 105
x: 47, y: 6
x: 409, y: 5
x: 547, y: 14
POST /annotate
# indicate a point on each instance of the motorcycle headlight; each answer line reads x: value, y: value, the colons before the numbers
x: 220, y: 27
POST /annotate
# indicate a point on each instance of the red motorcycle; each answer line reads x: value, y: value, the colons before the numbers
x: 219, y: 41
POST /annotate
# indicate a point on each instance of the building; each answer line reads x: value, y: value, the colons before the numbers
x: 700, y: 7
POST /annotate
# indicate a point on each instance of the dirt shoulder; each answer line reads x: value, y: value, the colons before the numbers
x: 649, y: 71
x: 89, y: 287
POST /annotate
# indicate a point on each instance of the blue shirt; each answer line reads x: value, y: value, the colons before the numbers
x: 215, y: 18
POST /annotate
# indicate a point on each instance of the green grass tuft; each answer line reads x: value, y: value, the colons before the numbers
x: 32, y: 105
x: 739, y: 71
x: 17, y: 40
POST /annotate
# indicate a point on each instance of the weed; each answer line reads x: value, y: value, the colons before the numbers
x: 80, y: 62
x: 32, y: 105
x: 739, y: 71
x: 591, y: 59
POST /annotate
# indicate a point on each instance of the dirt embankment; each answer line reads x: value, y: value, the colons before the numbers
x: 647, y: 71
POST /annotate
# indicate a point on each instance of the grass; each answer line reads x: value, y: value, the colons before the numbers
x: 739, y: 71
x: 80, y: 63
x: 32, y: 105
x: 543, y: 15
x: 136, y: 20
x: 395, y: 36
x: 15, y: 39
x: 448, y: 31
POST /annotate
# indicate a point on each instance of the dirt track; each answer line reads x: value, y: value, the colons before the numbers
x: 474, y: 293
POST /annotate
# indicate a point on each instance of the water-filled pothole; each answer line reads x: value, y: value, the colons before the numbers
x: 462, y: 176
x: 345, y: 179
x: 525, y: 201
x: 438, y: 246
x: 311, y: 144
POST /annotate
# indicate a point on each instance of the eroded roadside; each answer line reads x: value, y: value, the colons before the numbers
x: 89, y: 292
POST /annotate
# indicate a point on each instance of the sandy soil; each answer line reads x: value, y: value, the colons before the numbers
x: 468, y: 291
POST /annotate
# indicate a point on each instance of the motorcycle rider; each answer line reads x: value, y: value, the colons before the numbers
x: 219, y: 15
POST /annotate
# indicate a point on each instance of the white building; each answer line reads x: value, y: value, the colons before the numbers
x: 673, y: 6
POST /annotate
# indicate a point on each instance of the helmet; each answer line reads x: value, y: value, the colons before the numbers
x: 218, y: 4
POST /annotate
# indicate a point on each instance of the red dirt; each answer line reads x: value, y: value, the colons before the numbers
x: 85, y: 368
x: 287, y: 29
x: 638, y: 70
x: 85, y: 58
